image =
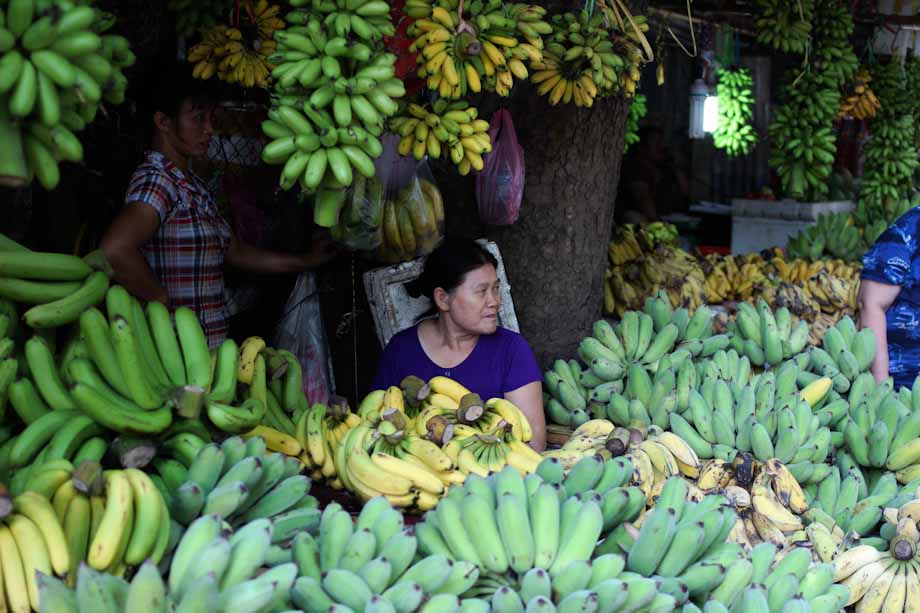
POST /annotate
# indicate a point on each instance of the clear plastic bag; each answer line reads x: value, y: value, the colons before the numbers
x: 301, y: 332
x: 500, y: 184
x: 361, y: 219
x: 413, y: 212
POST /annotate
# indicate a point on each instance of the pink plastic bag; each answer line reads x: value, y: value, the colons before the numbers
x: 500, y: 184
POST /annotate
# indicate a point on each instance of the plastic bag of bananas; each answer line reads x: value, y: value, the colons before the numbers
x: 413, y: 211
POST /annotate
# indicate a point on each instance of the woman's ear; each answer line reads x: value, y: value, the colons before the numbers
x: 441, y: 299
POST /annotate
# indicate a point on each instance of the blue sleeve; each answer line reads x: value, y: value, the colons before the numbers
x: 522, y: 365
x: 888, y: 261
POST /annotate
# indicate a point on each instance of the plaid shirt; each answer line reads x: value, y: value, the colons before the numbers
x: 187, y: 251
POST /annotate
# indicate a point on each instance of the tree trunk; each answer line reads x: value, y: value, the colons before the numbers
x: 556, y: 253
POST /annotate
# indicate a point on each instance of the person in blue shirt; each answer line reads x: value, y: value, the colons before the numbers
x: 889, y: 300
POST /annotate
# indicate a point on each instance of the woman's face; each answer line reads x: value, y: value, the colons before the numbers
x: 190, y: 132
x: 473, y: 305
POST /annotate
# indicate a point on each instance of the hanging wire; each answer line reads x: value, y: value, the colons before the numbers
x: 692, y: 34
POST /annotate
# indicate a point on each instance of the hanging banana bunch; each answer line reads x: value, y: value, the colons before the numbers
x: 484, y: 49
x: 237, y: 58
x: 637, y: 110
x: 450, y: 128
x: 580, y: 61
x: 734, y: 132
x: 862, y: 103
x: 833, y: 52
x: 785, y: 25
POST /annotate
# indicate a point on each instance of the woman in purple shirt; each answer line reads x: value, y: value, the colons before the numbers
x: 462, y: 339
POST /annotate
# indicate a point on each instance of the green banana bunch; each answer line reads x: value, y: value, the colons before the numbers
x: 239, y: 482
x: 367, y: 20
x: 637, y: 110
x: 803, y: 143
x: 891, y: 159
x: 845, y: 357
x: 530, y: 539
x: 851, y: 503
x: 831, y: 32
x: 785, y: 26
x: 766, y: 337
x: 57, y: 67
x: 332, y: 99
x: 373, y: 563
x: 734, y: 131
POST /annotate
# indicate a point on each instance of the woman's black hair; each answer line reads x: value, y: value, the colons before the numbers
x: 447, y: 266
x: 173, y: 85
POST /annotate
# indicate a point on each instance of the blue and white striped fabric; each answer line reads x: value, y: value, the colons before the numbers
x: 894, y: 259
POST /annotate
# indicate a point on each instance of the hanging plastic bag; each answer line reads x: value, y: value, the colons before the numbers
x: 301, y: 332
x: 413, y: 211
x: 361, y: 218
x: 500, y: 184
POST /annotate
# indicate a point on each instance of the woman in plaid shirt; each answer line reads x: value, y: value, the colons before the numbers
x: 170, y: 242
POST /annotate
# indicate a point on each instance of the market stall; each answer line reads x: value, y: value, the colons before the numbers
x: 721, y: 433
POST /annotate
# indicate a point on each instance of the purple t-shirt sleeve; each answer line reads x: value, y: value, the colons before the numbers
x: 522, y: 365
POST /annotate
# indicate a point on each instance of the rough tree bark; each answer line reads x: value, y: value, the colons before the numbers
x: 556, y: 253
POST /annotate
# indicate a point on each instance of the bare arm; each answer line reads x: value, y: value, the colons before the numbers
x: 529, y: 398
x: 255, y: 259
x: 134, y: 226
x: 874, y: 300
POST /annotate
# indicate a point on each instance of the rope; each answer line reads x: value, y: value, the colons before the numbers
x: 692, y: 33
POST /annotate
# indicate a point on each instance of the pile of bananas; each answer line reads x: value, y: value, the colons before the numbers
x: 734, y: 131
x: 237, y: 59
x: 862, y: 103
x: 448, y: 128
x: 411, y: 443
x: 637, y: 110
x: 413, y: 222
x: 631, y: 241
x: 192, y: 16
x: 642, y: 342
x: 57, y: 66
x: 586, y: 56
x: 485, y: 48
x: 785, y: 26
x: 665, y: 267
x: 335, y: 87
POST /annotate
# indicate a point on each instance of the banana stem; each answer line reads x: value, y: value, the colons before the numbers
x: 14, y: 172
x: 133, y: 452
x: 189, y: 400
x: 87, y: 479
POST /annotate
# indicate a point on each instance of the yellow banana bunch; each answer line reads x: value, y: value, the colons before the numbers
x: 486, y: 48
x: 586, y: 57
x: 862, y: 103
x: 448, y: 129
x: 225, y: 52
